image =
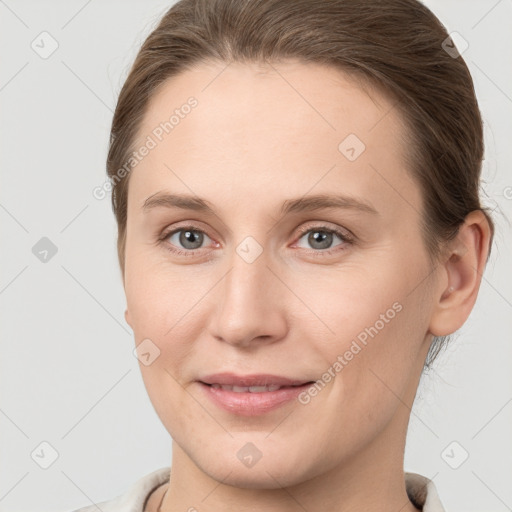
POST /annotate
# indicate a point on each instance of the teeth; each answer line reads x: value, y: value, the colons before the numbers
x: 248, y: 389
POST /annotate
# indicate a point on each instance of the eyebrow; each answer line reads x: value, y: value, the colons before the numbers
x: 302, y: 204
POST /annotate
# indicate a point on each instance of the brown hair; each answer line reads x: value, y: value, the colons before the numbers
x: 398, y: 46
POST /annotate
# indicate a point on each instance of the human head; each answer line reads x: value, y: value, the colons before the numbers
x: 265, y: 125
x: 395, y: 46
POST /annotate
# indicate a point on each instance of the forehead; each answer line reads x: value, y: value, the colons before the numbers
x: 282, y: 127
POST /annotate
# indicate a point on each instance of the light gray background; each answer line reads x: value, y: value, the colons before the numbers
x: 68, y: 375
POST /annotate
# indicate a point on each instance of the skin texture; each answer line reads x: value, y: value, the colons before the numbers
x: 258, y: 137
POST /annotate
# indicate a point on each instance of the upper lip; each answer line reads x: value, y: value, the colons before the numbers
x: 261, y: 379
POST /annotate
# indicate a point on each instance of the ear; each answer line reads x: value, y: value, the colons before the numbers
x: 462, y: 269
x: 128, y: 318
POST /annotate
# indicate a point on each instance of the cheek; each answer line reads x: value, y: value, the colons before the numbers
x: 158, y: 303
x: 377, y: 324
x: 373, y: 359
x: 158, y: 306
x: 158, y: 295
x: 164, y: 313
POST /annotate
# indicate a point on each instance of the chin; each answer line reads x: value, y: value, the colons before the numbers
x: 241, y: 464
x: 270, y: 476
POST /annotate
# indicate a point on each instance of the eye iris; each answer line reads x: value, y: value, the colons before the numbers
x: 322, y: 237
x: 194, y: 237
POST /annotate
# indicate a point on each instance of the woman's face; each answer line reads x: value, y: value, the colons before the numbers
x: 296, y: 252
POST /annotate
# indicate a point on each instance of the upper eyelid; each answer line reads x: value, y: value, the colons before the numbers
x: 190, y: 225
x: 323, y: 225
x: 302, y: 230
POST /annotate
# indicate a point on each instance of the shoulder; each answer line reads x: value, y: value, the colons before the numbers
x: 423, y: 493
x: 134, y: 499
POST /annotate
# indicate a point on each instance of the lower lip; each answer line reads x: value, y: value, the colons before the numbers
x: 252, y: 404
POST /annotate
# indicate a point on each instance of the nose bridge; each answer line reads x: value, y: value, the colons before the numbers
x: 248, y: 272
x: 249, y: 307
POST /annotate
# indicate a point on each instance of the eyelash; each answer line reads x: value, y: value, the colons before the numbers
x: 344, y: 237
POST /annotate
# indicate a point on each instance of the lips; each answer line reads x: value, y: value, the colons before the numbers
x: 251, y: 395
x: 244, y: 383
x: 247, y: 389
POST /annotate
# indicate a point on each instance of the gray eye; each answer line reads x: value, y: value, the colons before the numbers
x: 188, y: 238
x: 319, y: 238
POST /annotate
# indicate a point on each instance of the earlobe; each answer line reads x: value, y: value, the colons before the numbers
x: 463, y: 267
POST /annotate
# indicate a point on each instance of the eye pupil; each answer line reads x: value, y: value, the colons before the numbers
x: 322, y: 237
x: 191, y: 237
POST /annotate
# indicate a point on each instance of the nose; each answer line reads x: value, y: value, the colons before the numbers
x: 250, y: 304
